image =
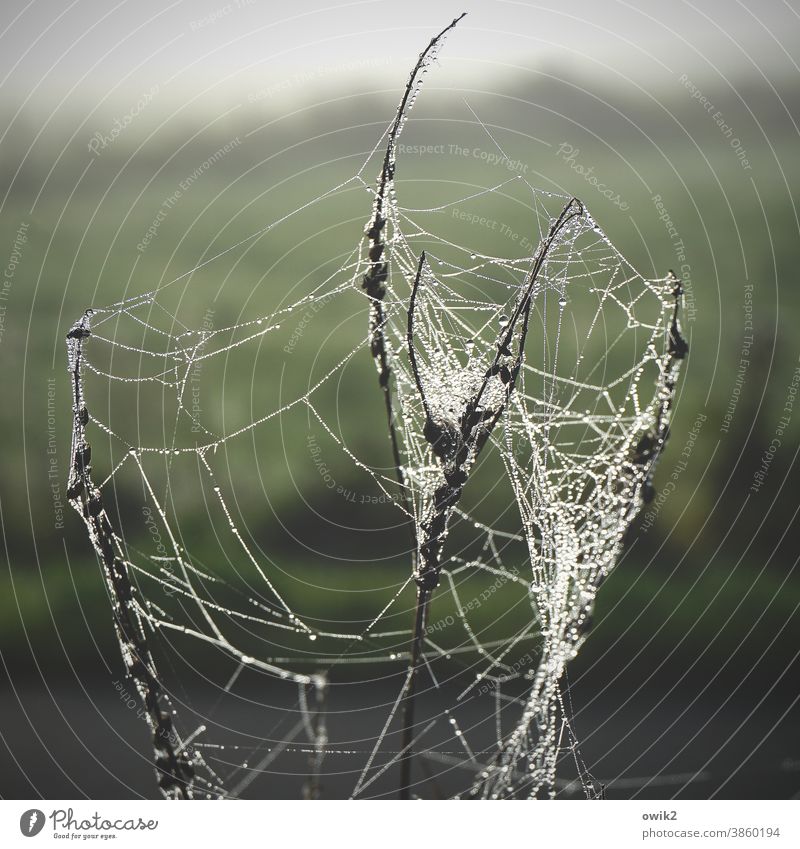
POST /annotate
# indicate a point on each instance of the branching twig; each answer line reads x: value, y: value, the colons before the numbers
x: 374, y: 284
x: 457, y: 449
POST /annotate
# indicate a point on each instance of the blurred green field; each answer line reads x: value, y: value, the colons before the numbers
x: 704, y: 575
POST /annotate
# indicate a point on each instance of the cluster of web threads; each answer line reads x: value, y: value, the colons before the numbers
x: 579, y: 475
x: 576, y: 473
x: 578, y: 437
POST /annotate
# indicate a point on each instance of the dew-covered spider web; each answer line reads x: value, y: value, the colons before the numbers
x: 543, y: 369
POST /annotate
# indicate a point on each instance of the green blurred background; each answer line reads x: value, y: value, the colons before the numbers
x: 696, y: 641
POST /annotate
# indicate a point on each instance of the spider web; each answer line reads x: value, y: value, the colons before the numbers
x: 548, y: 374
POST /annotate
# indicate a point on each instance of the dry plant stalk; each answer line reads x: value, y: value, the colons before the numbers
x: 457, y: 449
x: 378, y: 272
x: 174, y: 765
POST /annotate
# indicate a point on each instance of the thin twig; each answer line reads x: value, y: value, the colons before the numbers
x: 456, y: 448
x: 319, y: 738
x: 374, y: 282
x: 651, y: 444
x: 174, y: 763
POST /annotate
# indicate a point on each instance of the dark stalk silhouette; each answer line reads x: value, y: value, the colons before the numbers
x: 174, y: 765
x: 457, y: 448
x: 374, y: 282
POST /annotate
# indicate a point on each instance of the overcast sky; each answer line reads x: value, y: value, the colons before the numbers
x: 92, y: 49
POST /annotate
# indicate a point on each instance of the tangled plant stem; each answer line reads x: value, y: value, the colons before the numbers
x: 457, y: 450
